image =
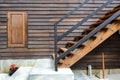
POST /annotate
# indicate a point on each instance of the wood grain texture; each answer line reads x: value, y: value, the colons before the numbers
x: 17, y: 29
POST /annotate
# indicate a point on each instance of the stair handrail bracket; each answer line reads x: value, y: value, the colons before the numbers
x: 58, y: 38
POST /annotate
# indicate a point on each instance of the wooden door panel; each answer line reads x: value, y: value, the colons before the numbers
x: 17, y: 29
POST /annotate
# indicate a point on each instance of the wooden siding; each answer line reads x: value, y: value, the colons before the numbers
x: 42, y: 14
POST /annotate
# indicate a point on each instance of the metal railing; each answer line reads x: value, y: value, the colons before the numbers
x: 58, y: 38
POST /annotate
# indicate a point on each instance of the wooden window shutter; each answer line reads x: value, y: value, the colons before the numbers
x: 17, y: 25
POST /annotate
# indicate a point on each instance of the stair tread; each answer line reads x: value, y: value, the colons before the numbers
x: 117, y: 7
x: 97, y: 23
x: 86, y: 31
x: 63, y: 49
x: 113, y: 11
x: 81, y: 46
x: 104, y: 29
x: 106, y: 17
x: 72, y: 42
x: 93, y: 37
x: 61, y: 61
x: 77, y: 38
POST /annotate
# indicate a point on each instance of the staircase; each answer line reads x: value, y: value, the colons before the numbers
x: 89, y: 39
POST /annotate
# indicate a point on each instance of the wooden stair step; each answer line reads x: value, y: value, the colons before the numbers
x: 110, y: 13
x: 117, y: 19
x: 117, y: 7
x: 70, y: 43
x: 53, y: 56
x: 77, y: 38
x: 93, y: 38
x: 106, y: 17
x: 61, y: 61
x: 104, y: 29
x: 61, y: 50
x: 97, y: 23
x: 86, y: 31
x: 81, y: 46
x: 113, y: 11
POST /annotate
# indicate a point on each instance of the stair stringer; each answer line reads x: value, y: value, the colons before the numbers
x: 91, y: 44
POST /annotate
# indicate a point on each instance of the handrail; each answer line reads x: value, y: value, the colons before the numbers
x: 56, y: 38
x: 114, y: 16
x: 83, y: 20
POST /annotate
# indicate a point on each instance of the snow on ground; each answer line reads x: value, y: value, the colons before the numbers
x: 4, y: 76
x: 113, y: 77
x: 93, y: 78
x: 80, y: 75
x: 21, y: 74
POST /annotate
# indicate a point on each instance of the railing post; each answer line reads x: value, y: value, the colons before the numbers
x: 55, y: 44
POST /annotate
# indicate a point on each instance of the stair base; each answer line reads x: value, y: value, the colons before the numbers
x: 4, y: 76
x: 44, y: 74
x: 21, y: 74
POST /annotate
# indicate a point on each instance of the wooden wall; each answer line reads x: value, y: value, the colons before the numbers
x: 42, y: 14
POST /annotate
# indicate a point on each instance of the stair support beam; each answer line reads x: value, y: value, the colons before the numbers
x: 90, y: 45
x: 106, y: 22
